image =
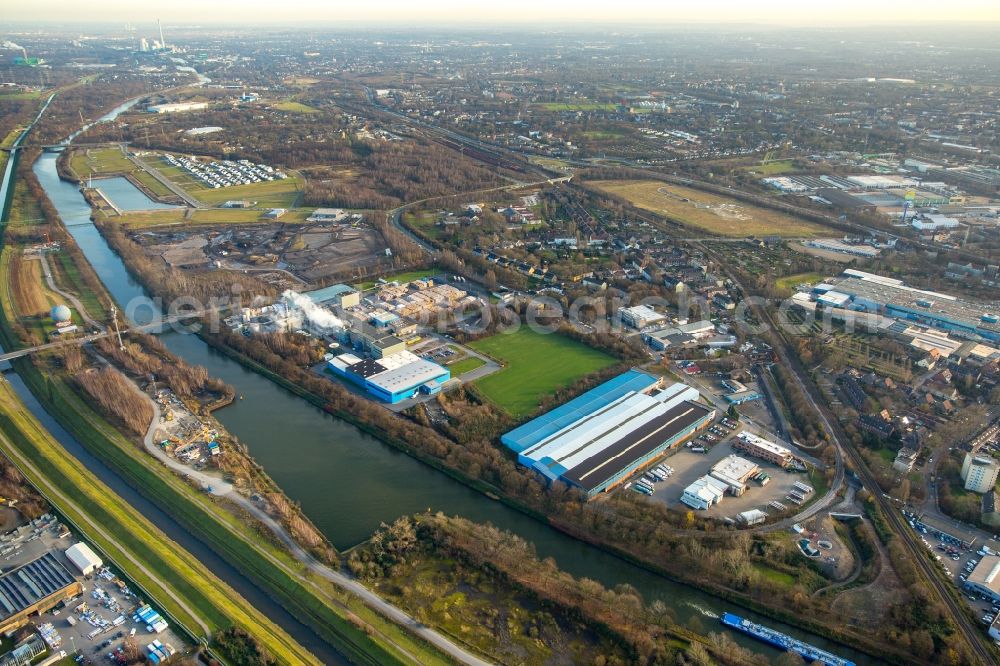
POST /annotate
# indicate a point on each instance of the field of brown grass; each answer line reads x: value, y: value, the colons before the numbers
x: 26, y: 287
x: 712, y: 213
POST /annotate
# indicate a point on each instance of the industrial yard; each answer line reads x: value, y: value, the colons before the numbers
x: 689, y: 466
x: 75, y: 602
x: 182, y: 435
x: 310, y: 252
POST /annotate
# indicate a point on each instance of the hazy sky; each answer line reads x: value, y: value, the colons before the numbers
x: 437, y: 11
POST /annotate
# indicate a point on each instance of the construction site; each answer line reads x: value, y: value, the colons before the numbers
x: 181, y: 434
x: 307, y: 253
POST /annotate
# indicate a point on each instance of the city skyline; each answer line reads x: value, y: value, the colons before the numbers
x: 776, y: 12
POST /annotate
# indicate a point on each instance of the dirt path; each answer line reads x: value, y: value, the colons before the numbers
x: 224, y: 489
x: 60, y: 498
x: 50, y: 281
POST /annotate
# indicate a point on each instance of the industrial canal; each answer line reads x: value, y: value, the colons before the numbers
x: 346, y: 481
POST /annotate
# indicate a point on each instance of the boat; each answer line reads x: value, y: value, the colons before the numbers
x: 783, y: 641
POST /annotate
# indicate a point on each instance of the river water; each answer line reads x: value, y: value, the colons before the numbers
x: 348, y: 482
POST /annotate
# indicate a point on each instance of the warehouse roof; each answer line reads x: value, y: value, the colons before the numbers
x: 764, y: 444
x: 987, y: 573
x: 596, y: 469
x: 933, y: 305
x: 32, y: 582
x: 367, y: 367
x: 83, y: 557
x: 600, y: 396
x: 326, y: 294
x: 407, y: 376
x: 734, y: 467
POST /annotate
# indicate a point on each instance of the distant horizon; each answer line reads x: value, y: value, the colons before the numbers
x: 445, y: 13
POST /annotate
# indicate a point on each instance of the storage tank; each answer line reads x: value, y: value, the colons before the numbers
x: 60, y: 313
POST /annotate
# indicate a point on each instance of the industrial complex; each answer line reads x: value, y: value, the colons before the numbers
x: 598, y: 439
x: 394, y: 377
x: 376, y: 332
x: 867, y: 292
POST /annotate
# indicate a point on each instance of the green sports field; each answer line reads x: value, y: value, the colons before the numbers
x: 535, y: 365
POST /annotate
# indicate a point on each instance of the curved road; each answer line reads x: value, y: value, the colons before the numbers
x: 225, y: 489
x: 62, y: 499
x: 50, y: 281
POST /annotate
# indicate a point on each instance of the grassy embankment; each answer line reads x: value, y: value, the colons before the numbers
x: 535, y: 365
x: 184, y: 587
x: 341, y: 619
x: 24, y: 277
x: 338, y: 618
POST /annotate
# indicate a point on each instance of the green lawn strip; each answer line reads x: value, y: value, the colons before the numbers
x: 71, y: 271
x: 407, y: 276
x: 536, y: 365
x: 792, y: 281
x: 222, y: 531
x: 275, y: 193
x: 218, y: 605
x: 465, y: 365
x: 151, y: 183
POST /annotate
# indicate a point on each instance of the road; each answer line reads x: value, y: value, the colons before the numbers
x: 166, y: 182
x: 972, y: 633
x: 81, y: 340
x: 57, y: 498
x: 943, y: 589
x: 931, y: 505
x: 50, y: 281
x: 221, y: 488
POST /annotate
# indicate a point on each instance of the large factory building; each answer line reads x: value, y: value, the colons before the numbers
x: 600, y: 438
x: 867, y: 292
x: 392, y: 378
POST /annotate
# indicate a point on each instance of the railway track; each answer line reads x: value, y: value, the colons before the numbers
x: 972, y: 633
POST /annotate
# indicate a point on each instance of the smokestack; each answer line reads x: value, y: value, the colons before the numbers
x: 159, y: 25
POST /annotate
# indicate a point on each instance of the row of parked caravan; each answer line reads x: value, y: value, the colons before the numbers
x: 656, y: 474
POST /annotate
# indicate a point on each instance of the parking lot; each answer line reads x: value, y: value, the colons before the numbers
x: 89, y: 622
x: 957, y: 561
x: 689, y: 465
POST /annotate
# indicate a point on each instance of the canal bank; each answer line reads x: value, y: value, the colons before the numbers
x: 260, y: 599
x: 346, y: 481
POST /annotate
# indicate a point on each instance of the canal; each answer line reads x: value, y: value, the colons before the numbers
x: 348, y: 482
x: 260, y: 599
